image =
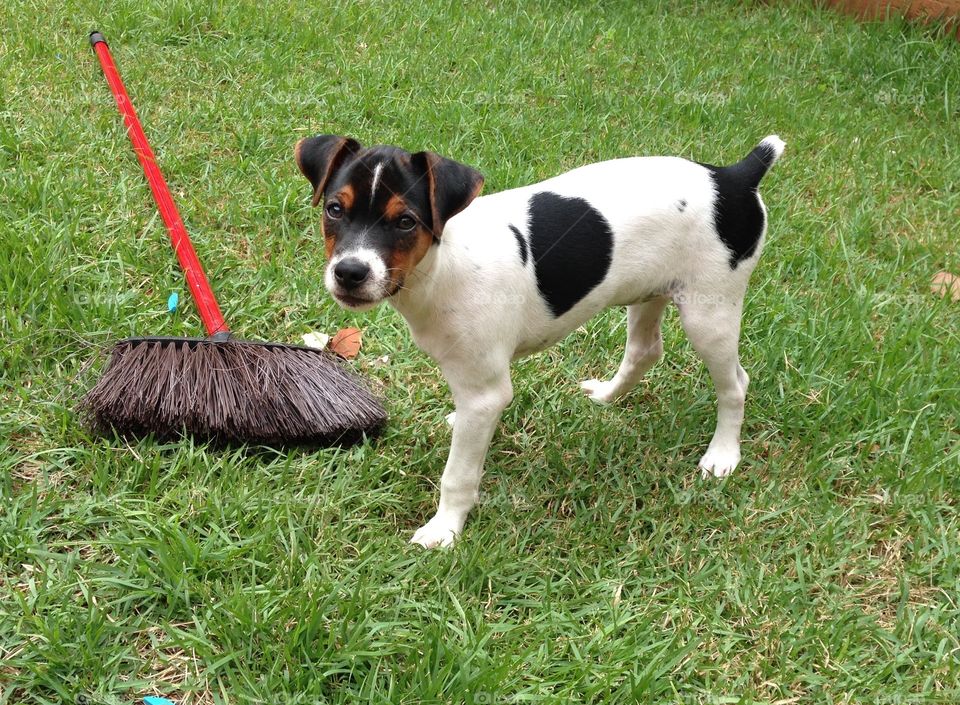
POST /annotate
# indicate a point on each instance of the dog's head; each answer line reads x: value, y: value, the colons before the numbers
x: 383, y: 209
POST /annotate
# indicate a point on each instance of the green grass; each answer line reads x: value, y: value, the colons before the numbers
x: 599, y: 567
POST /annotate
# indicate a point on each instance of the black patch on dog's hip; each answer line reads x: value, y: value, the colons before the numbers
x: 737, y: 214
x: 572, y: 247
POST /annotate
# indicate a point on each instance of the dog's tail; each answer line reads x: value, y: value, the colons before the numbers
x: 753, y: 167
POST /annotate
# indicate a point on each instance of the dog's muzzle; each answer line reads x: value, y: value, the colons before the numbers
x: 357, y: 280
x: 351, y: 273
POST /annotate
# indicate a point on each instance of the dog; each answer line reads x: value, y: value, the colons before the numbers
x: 482, y: 281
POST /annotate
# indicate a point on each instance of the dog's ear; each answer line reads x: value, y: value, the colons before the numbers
x: 452, y: 186
x: 319, y: 157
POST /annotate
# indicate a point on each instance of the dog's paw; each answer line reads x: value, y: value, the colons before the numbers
x: 719, y: 461
x: 451, y: 418
x: 598, y: 390
x: 439, y: 531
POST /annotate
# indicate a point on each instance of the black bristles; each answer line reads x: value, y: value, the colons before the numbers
x: 233, y: 391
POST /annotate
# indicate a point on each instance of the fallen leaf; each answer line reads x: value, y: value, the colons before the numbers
x: 945, y: 283
x: 346, y: 343
x: 316, y: 340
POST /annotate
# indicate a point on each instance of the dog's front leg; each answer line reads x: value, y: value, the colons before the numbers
x: 479, y: 404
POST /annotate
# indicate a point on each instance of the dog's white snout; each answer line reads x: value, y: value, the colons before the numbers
x: 357, y: 279
x: 351, y: 272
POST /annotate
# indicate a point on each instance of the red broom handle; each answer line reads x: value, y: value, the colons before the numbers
x: 196, y: 279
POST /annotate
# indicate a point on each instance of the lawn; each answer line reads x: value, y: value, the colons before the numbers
x: 599, y: 567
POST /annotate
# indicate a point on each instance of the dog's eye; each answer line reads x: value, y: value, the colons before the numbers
x: 406, y: 222
x: 335, y: 210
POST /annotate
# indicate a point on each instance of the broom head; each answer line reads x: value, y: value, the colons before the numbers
x: 231, y: 391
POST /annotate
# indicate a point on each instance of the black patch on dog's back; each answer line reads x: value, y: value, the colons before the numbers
x: 737, y: 214
x: 572, y: 247
x: 521, y: 243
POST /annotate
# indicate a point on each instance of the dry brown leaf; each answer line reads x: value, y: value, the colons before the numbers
x: 346, y: 343
x: 946, y: 284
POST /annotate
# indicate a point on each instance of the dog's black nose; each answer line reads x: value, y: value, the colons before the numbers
x: 351, y: 272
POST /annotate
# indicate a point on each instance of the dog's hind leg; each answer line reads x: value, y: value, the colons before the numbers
x: 712, y: 323
x: 644, y: 348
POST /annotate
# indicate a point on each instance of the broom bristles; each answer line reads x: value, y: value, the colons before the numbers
x: 232, y: 391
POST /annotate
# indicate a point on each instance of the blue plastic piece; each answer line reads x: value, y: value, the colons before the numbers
x: 154, y: 700
x: 173, y: 301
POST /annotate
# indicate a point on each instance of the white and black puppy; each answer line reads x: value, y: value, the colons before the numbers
x: 484, y: 281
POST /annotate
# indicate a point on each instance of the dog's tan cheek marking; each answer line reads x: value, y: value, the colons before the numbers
x: 296, y: 154
x: 329, y: 241
x: 345, y: 197
x: 407, y: 255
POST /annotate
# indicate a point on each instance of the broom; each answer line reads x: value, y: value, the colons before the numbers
x: 219, y: 388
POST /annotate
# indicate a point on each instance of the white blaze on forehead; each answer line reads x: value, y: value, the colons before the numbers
x: 377, y: 170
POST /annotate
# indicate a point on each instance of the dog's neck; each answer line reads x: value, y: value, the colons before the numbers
x: 416, y: 299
